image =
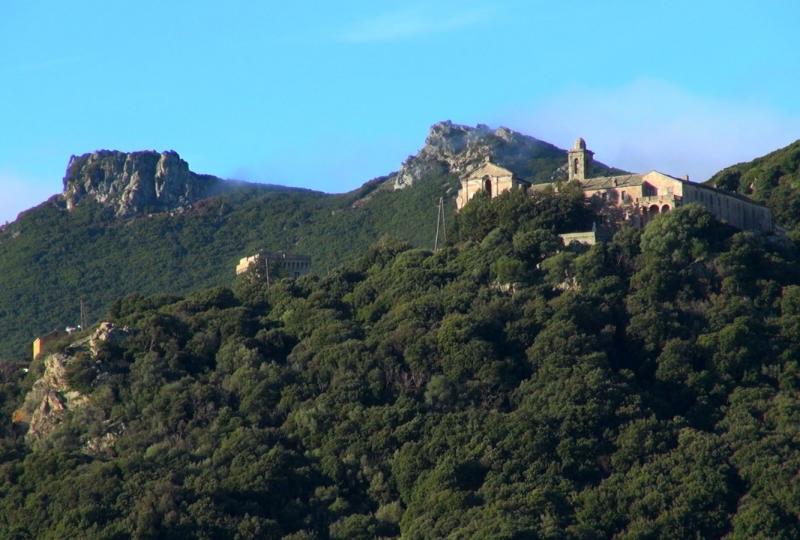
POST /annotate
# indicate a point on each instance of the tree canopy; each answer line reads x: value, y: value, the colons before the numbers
x: 504, y: 386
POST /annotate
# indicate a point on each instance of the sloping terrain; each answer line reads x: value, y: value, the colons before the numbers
x: 502, y: 387
x: 772, y: 180
x: 140, y: 223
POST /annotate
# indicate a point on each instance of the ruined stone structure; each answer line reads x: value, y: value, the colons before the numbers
x: 634, y: 198
x: 284, y: 264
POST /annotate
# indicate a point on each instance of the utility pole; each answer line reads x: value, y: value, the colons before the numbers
x: 83, y: 314
x: 444, y: 225
x: 440, y: 221
x: 266, y: 266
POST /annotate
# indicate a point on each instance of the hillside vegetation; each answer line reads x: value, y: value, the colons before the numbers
x: 50, y: 258
x: 502, y: 387
x: 144, y: 222
x: 772, y: 180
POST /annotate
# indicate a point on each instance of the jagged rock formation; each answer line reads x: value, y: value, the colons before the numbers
x: 457, y: 149
x: 136, y: 182
x: 51, y: 398
x: 106, y: 334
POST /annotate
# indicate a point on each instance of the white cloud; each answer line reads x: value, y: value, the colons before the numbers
x: 19, y: 195
x: 411, y: 22
x: 650, y: 124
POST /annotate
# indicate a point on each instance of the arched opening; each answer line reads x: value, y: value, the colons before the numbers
x: 653, y: 210
x: 574, y: 166
x: 487, y: 185
x: 665, y: 209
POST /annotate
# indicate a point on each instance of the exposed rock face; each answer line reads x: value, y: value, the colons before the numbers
x: 136, y: 182
x: 51, y: 399
x: 106, y: 333
x: 457, y: 149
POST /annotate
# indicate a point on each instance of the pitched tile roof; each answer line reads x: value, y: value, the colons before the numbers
x: 607, y: 182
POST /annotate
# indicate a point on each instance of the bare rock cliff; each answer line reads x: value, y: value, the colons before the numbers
x: 457, y: 149
x: 136, y: 182
x: 51, y: 400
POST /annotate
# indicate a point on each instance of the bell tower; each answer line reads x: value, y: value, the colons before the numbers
x: 579, y: 161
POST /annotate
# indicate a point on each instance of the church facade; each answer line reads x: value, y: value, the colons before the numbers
x: 490, y: 178
x: 634, y: 198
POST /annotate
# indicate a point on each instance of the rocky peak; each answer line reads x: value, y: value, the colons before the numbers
x: 135, y: 182
x: 457, y: 149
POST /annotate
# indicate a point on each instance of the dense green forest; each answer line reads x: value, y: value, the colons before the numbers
x: 772, y: 180
x: 49, y: 257
x: 504, y: 386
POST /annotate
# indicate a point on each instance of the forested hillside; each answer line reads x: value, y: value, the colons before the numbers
x: 502, y: 387
x: 772, y: 180
x: 143, y: 222
x: 50, y: 258
x: 137, y: 222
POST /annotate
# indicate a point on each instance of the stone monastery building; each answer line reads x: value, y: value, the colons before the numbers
x: 635, y: 198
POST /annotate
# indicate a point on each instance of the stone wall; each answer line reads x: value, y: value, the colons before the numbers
x: 588, y: 238
x: 658, y: 193
x: 729, y: 208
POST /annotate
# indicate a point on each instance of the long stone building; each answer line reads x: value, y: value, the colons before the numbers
x: 282, y: 263
x: 635, y: 198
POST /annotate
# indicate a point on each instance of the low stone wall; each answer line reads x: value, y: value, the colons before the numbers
x: 589, y: 238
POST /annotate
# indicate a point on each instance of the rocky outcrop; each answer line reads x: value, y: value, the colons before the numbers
x: 51, y: 398
x: 136, y: 182
x: 106, y: 334
x: 458, y: 149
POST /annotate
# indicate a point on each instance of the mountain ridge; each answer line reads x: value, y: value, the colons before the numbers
x: 102, y: 250
x: 136, y: 182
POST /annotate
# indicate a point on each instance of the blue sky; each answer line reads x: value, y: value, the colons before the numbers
x: 327, y: 95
